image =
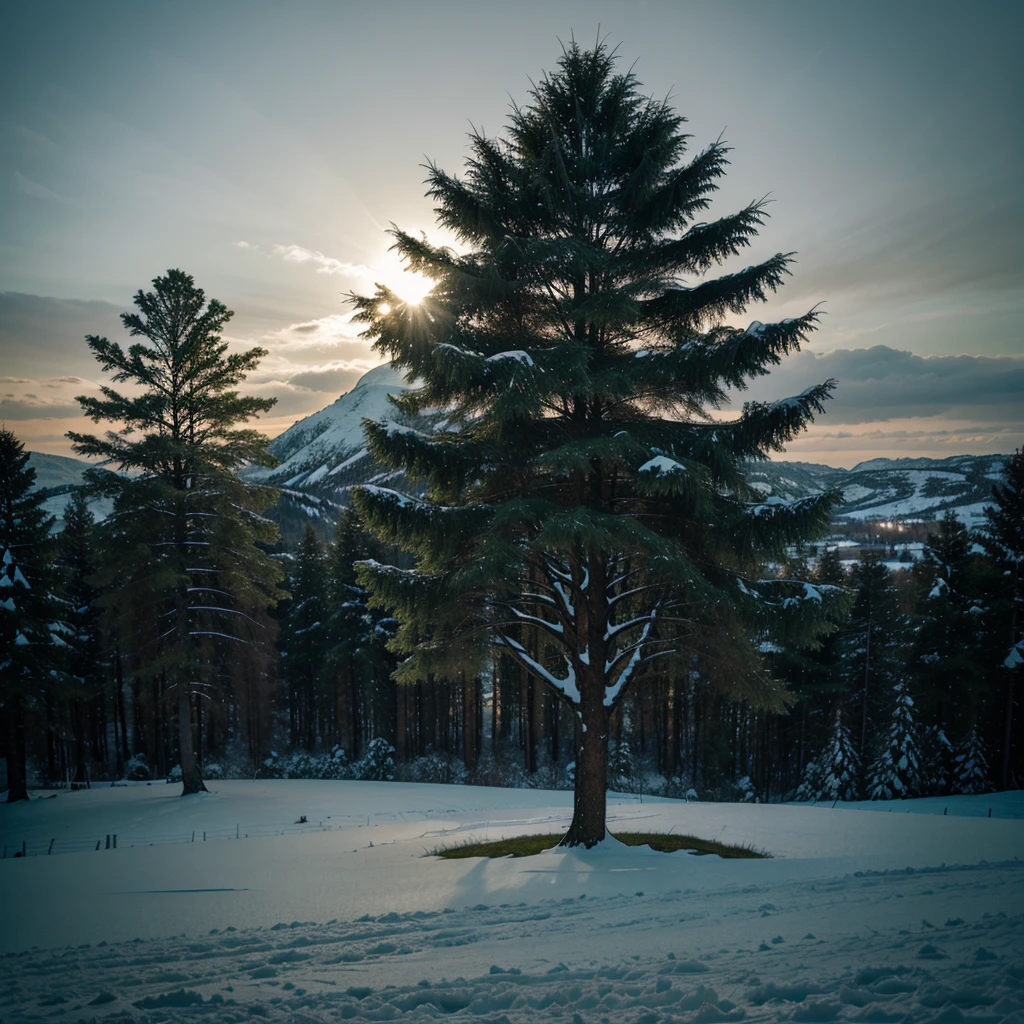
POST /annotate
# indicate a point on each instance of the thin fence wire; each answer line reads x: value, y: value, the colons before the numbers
x: 42, y: 846
x: 39, y: 846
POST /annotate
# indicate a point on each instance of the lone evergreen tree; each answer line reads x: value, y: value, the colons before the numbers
x: 583, y: 513
x: 185, y: 573
x: 25, y: 605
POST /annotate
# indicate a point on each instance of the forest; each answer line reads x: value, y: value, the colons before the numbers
x: 909, y: 694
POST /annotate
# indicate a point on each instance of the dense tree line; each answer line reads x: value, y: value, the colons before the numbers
x: 911, y: 693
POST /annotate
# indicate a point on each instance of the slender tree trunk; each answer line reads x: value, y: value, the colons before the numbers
x: 78, y: 724
x: 191, y: 776
x: 470, y: 737
x: 1011, y: 679
x: 17, y: 783
x: 401, y: 725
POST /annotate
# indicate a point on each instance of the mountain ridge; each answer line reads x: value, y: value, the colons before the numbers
x: 324, y: 455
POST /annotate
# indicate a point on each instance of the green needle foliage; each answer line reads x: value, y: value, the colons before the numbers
x: 185, y: 580
x: 27, y: 611
x: 584, y: 514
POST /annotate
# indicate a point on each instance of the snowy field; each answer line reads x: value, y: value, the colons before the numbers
x: 861, y: 914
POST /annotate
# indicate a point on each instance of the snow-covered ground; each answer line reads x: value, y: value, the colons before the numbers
x: 862, y: 914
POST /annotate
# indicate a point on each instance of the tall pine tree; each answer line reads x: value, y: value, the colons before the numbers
x: 83, y: 661
x: 947, y: 656
x: 26, y: 608
x: 303, y: 641
x: 583, y: 514
x: 185, y: 573
x: 1002, y: 536
x: 870, y: 642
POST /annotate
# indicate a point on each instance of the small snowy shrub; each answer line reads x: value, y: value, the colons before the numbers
x: 622, y: 770
x: 378, y: 763
x: 936, y: 762
x: 840, y: 765
x: 174, y: 775
x: 747, y: 792
x: 136, y: 768
x: 810, y: 787
x: 301, y: 764
x: 691, y: 796
x: 970, y: 767
x: 436, y: 768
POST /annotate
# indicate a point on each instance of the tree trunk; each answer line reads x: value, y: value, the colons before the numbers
x: 1008, y: 733
x: 78, y: 725
x: 191, y: 774
x: 470, y: 736
x: 588, y: 810
x: 17, y: 786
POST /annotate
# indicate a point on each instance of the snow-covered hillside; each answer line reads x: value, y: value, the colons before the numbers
x: 872, y: 915
x: 892, y: 488
x: 324, y: 455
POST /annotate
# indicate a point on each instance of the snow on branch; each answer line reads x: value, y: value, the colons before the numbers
x: 567, y: 686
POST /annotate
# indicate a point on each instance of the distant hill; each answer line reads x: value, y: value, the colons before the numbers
x: 324, y: 456
x: 54, y: 471
x: 892, y: 488
x: 58, y: 476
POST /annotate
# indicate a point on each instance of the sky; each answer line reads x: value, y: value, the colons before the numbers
x: 266, y: 149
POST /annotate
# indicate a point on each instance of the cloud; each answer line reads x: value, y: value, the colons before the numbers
x: 31, y: 188
x: 324, y: 332
x: 925, y: 246
x: 878, y: 384
x: 43, y: 331
x: 335, y: 380
x: 324, y: 264
x: 15, y: 409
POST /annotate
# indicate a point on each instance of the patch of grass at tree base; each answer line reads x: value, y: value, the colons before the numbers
x: 527, y: 846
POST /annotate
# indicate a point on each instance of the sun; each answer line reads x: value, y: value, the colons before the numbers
x: 412, y: 288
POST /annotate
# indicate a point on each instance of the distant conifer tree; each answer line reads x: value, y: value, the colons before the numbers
x: 184, y: 572
x: 304, y: 642
x: 26, y: 607
x: 1002, y: 536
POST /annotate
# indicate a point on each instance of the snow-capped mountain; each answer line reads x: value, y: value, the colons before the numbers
x: 324, y: 456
